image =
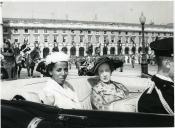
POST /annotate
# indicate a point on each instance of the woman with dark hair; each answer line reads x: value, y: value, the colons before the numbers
x: 106, y: 91
x: 58, y: 92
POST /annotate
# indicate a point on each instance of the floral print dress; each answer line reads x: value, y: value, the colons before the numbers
x: 104, y: 94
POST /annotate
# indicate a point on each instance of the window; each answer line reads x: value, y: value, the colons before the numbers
x: 26, y: 31
x: 104, y: 32
x: 89, y: 38
x: 55, y: 39
x: 45, y: 39
x: 132, y: 33
x: 126, y: 33
x: 54, y: 31
x: 139, y: 33
x: 72, y: 38
x: 119, y: 39
x: 36, y: 31
x: 64, y: 31
x: 97, y: 39
x: 36, y: 38
x: 105, y: 39
x: 81, y: 31
x: 89, y: 32
x: 72, y: 31
x: 126, y: 39
x: 45, y: 30
x: 64, y: 38
x: 15, y: 30
x: 81, y: 38
x: 112, y: 39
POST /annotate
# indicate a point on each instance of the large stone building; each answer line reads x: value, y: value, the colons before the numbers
x: 74, y: 37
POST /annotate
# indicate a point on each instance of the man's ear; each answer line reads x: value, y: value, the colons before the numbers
x: 50, y: 73
x: 167, y: 63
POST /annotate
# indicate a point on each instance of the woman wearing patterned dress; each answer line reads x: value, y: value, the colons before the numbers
x: 106, y: 91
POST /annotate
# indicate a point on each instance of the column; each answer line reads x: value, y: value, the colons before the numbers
x: 130, y: 48
x: 101, y: 51
x: 123, y: 49
x: 68, y: 50
x: 94, y: 46
x: 116, y: 50
x: 85, y: 54
x: 1, y: 26
x: 108, y: 52
x: 77, y: 50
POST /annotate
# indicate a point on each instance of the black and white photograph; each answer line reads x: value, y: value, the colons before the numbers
x: 86, y: 64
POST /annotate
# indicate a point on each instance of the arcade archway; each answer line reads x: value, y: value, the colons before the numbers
x: 127, y: 50
x: 73, y: 51
x: 81, y: 51
x: 112, y: 51
x: 105, y: 50
x: 64, y: 49
x: 133, y: 49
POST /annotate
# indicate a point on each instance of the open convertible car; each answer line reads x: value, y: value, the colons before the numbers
x: 21, y: 107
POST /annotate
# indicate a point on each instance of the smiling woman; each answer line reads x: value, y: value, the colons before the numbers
x: 58, y: 92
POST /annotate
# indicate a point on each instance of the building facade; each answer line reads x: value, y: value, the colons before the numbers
x: 76, y: 37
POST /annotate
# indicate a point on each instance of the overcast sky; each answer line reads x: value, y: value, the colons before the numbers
x: 161, y: 12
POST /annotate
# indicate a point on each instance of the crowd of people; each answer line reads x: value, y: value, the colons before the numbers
x: 15, y: 57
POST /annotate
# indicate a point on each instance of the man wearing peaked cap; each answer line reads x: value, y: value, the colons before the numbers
x: 163, y: 47
x: 159, y: 97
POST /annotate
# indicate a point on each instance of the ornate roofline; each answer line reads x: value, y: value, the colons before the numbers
x: 87, y: 25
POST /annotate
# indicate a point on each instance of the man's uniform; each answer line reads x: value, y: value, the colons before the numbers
x: 159, y: 98
x: 150, y: 101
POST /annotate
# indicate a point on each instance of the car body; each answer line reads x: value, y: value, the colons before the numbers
x: 31, y: 108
